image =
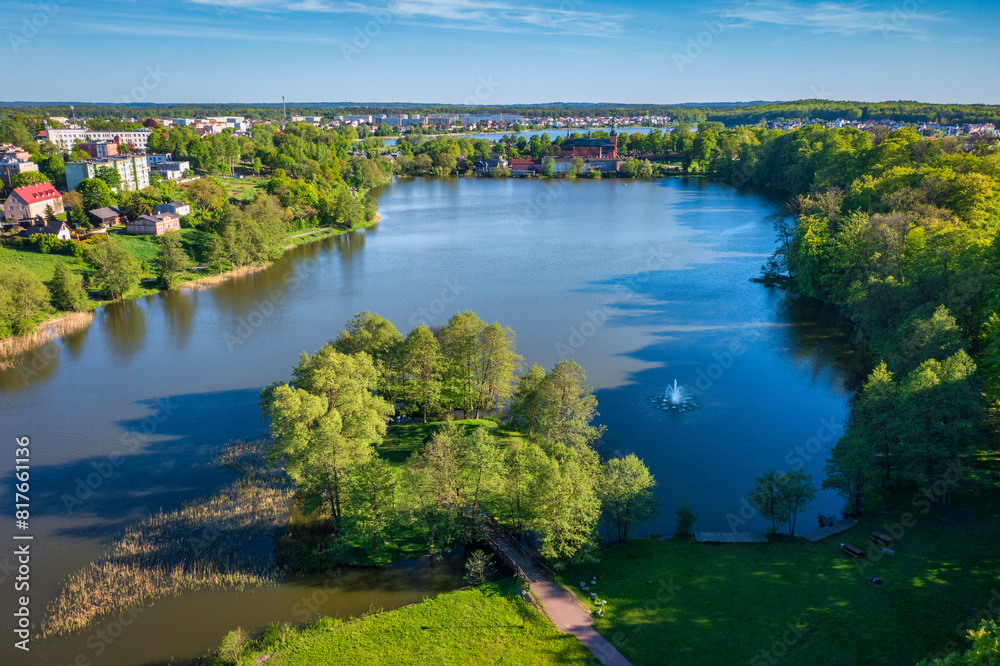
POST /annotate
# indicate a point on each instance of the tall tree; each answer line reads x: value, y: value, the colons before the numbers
x: 67, y: 290
x: 766, y: 497
x: 796, y: 490
x: 460, y: 344
x: 526, y: 406
x: 22, y: 298
x: 422, y: 365
x: 371, y: 505
x: 377, y: 337
x: 117, y: 271
x: 171, y: 260
x: 626, y: 491
x: 568, y: 407
x: 497, y: 364
x: 324, y: 423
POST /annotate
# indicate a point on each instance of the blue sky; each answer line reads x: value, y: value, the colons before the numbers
x: 498, y: 51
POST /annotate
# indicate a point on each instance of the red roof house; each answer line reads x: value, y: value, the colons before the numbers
x: 31, y: 201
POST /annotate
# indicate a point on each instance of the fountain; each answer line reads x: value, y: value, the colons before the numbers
x: 674, y: 399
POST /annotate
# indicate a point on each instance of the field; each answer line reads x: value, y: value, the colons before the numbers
x: 42, y: 265
x: 489, y: 624
x: 677, y: 601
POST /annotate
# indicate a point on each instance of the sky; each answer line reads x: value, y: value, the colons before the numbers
x: 498, y: 51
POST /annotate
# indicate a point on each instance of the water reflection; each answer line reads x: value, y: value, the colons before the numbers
x: 125, y: 322
x: 34, y: 367
x: 178, y: 306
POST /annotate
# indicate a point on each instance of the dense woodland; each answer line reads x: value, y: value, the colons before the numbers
x: 539, y: 474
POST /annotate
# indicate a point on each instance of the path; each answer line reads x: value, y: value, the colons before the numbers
x: 824, y: 532
x: 730, y: 537
x: 562, y: 606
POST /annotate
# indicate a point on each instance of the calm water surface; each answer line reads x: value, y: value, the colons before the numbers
x: 641, y: 282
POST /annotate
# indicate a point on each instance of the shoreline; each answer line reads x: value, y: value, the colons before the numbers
x: 14, y: 348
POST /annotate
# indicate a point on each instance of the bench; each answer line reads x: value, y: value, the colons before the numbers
x: 881, y: 539
x: 851, y: 551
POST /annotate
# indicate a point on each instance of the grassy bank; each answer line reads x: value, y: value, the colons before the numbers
x: 801, y: 602
x: 202, y: 544
x: 489, y: 624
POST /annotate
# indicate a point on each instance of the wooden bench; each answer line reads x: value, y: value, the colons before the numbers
x: 851, y: 551
x: 880, y: 539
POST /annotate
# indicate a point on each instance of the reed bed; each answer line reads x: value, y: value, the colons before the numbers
x: 200, y: 545
x: 212, y: 280
x: 12, y: 347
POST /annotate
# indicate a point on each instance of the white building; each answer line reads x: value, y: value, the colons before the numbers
x: 67, y: 138
x: 133, y: 170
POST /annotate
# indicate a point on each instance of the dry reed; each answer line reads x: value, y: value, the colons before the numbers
x: 12, y: 347
x: 212, y: 280
x: 200, y: 545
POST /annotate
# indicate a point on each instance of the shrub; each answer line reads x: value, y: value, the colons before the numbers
x: 685, y: 520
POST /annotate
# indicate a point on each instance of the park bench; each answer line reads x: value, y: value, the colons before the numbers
x: 880, y: 539
x: 851, y: 551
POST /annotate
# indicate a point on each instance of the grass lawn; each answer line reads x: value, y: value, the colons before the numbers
x: 241, y: 189
x: 42, y: 265
x: 401, y: 441
x: 489, y: 624
x: 800, y: 602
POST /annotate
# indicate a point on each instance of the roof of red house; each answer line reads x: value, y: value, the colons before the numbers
x: 35, y: 193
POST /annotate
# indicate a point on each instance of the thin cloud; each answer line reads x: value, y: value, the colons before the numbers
x: 490, y: 16
x: 831, y: 17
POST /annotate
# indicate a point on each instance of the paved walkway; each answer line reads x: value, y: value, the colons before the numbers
x: 824, y: 532
x: 562, y: 607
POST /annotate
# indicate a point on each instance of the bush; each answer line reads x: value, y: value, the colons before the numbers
x: 685, y: 520
x: 232, y: 646
x: 479, y: 568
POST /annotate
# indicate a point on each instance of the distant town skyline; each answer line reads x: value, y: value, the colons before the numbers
x: 498, y: 52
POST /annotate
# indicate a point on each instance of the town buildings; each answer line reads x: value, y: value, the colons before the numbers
x: 133, y: 170
x: 99, y: 149
x: 33, y: 201
x: 67, y: 139
x: 13, y: 160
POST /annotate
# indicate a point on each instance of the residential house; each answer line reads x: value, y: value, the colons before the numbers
x: 133, y: 170
x: 179, y: 208
x: 524, y: 166
x: 13, y: 161
x: 172, y: 170
x: 56, y: 228
x: 155, y: 159
x: 599, y: 148
x: 484, y: 166
x: 153, y: 225
x: 32, y: 201
x: 106, y: 217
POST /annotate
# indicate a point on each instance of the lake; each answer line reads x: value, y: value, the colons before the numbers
x: 642, y: 283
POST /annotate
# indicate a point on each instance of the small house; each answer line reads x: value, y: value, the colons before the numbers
x: 106, y: 217
x: 179, y: 208
x: 153, y: 225
x: 57, y: 228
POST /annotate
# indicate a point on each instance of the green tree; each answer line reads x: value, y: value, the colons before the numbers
x: 96, y: 193
x: 569, y: 507
x: 23, y: 298
x: 984, y: 651
x: 28, y: 178
x: 851, y: 473
x: 766, y: 497
x: 324, y: 423
x: 67, y: 289
x: 460, y: 344
x: 371, y: 506
x: 626, y: 490
x: 422, y: 362
x: 377, y: 337
x: 496, y: 366
x: 171, y: 260
x: 110, y: 176
x: 568, y: 407
x: 479, y: 568
x: 685, y: 520
x: 796, y: 490
x: 526, y: 406
x: 116, y: 270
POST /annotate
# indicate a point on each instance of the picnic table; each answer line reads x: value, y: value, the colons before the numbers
x: 881, y: 539
x: 851, y: 551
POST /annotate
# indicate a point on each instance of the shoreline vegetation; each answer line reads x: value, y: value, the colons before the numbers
x: 49, y: 331
x: 200, y: 545
x: 13, y: 348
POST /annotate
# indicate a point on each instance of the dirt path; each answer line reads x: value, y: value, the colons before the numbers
x: 562, y: 606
